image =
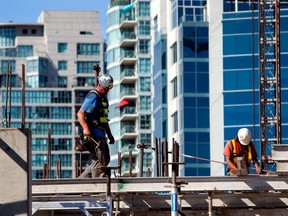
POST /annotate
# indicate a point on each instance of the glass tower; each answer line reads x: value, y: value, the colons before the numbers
x: 129, y: 63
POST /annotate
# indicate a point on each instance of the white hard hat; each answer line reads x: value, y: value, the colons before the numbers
x: 244, y: 136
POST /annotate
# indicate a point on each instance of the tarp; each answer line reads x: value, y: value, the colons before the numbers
x: 122, y: 103
x: 126, y: 8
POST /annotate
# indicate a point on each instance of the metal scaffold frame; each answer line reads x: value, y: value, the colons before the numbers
x: 269, y: 72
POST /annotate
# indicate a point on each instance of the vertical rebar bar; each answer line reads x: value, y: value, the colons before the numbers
x: 23, y: 98
x: 157, y: 157
x: 119, y: 164
x: 141, y: 161
x: 130, y: 163
x: 49, y: 152
x: 165, y: 149
x: 10, y: 93
x: 6, y: 106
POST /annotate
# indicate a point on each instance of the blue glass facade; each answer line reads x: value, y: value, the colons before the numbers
x: 195, y: 87
x: 241, y: 71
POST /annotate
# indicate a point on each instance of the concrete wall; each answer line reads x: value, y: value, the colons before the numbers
x: 15, y: 172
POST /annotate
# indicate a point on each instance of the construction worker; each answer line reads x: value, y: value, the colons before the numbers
x: 93, y: 117
x: 241, y: 146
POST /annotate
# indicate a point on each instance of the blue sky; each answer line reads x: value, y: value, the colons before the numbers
x: 20, y: 11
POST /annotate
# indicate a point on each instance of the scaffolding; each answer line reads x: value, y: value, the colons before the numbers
x: 269, y: 70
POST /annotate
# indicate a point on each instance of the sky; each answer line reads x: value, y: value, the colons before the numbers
x: 28, y: 11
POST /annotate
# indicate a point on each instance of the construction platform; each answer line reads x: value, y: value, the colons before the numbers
x: 243, y: 195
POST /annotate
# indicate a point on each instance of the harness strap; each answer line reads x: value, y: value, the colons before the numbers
x: 249, y: 154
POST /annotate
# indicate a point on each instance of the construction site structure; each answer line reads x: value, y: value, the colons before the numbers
x: 170, y: 195
x: 270, y: 83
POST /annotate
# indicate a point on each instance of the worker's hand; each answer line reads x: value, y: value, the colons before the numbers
x: 86, y: 132
x: 257, y: 168
x: 233, y: 172
x: 111, y: 139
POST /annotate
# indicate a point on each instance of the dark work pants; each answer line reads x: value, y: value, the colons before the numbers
x: 100, y: 155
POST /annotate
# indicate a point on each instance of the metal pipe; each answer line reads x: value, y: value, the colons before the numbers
x: 210, y: 213
x: 174, y: 196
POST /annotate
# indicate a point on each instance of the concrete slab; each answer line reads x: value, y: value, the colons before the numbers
x: 15, y: 172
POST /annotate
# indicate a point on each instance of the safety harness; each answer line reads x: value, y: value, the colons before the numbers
x: 100, y: 112
x: 235, y: 155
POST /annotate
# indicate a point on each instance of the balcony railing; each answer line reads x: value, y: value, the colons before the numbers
x: 128, y: 110
x: 127, y: 91
x: 128, y: 35
x: 127, y: 54
x: 127, y: 73
x: 128, y: 129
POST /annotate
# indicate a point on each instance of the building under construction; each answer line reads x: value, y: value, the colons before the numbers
x: 175, y: 188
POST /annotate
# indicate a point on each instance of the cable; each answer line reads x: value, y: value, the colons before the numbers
x: 224, y: 163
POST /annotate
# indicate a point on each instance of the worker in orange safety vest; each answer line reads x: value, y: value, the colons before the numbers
x: 241, y: 146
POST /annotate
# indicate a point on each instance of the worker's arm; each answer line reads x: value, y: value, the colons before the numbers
x: 231, y: 165
x: 257, y: 168
x: 82, y: 121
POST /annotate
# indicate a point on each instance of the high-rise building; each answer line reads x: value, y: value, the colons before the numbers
x: 129, y: 62
x: 212, y: 76
x: 181, y: 70
x: 58, y: 53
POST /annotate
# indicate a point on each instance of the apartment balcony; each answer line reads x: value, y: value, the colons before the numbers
x: 128, y: 132
x: 128, y: 57
x: 127, y: 76
x: 128, y: 113
x: 125, y: 151
x: 114, y: 3
x: 128, y: 39
x: 128, y: 92
x: 127, y: 20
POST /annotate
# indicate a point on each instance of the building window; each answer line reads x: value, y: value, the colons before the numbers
x: 144, y: 46
x: 86, y: 66
x: 24, y: 51
x: 62, y: 82
x: 144, y: 9
x: 147, y: 160
x: 144, y: 28
x: 175, y: 122
x: 62, y: 47
x: 145, y: 138
x: 33, y: 31
x: 174, y: 53
x: 174, y: 87
x: 144, y: 65
x: 25, y: 31
x: 4, y: 65
x: 88, y: 49
x: 62, y: 65
x: 145, y: 84
x: 7, y: 36
x: 145, y: 103
x: 145, y: 122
